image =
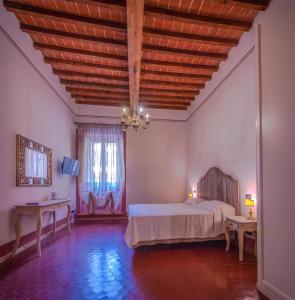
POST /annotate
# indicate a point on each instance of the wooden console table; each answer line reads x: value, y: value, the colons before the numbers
x: 38, y: 210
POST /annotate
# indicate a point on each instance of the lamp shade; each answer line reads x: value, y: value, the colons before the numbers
x: 249, y: 202
x: 190, y: 195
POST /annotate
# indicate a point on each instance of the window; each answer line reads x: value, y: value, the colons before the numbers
x: 108, y: 164
x: 101, y: 154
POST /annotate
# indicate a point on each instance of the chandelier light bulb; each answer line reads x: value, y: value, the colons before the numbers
x: 137, y: 120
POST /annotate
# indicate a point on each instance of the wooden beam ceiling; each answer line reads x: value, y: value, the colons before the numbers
x: 134, y: 33
x: 51, y: 60
x: 195, y: 19
x: 177, y: 75
x: 94, y: 85
x: 212, y: 68
x: 99, y: 58
x: 249, y: 4
x: 187, y: 53
x: 89, y: 75
x: 73, y: 36
x: 90, y: 53
x: 188, y: 37
x: 64, y: 17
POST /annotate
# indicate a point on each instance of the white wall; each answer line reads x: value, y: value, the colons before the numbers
x: 276, y: 258
x: 32, y: 108
x: 222, y: 132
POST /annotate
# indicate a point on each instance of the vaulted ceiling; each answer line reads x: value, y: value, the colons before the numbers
x: 156, y: 53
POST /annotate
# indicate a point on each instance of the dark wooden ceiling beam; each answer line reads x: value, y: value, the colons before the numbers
x: 178, y: 88
x: 94, y: 88
x: 103, y: 93
x: 102, y: 103
x: 134, y: 32
x: 109, y: 4
x: 171, y: 83
x: 75, y: 92
x: 146, y: 104
x: 51, y: 60
x: 163, y: 97
x: 212, y: 68
x: 41, y: 46
x: 165, y: 100
x: 88, y: 75
x: 119, y: 4
x: 160, y: 92
x: 94, y: 84
x: 188, y: 37
x: 63, y: 17
x: 195, y: 19
x: 106, y: 98
x: 249, y: 4
x: 177, y: 75
x: 73, y: 36
x: 126, y: 99
x: 176, y: 95
x: 183, y: 52
x: 68, y: 50
x: 168, y: 107
x: 120, y: 104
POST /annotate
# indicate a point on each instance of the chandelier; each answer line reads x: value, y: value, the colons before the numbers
x: 137, y: 120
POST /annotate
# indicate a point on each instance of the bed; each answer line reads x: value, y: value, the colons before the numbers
x: 200, y: 219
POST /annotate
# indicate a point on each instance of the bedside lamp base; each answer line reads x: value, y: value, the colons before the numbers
x: 250, y: 216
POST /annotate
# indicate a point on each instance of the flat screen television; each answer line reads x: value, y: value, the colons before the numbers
x: 70, y: 166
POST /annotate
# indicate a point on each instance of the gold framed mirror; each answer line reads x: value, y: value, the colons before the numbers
x: 33, y: 163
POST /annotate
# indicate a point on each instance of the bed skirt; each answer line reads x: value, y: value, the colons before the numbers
x: 176, y: 241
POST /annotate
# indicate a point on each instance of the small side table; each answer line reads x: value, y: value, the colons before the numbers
x: 241, y: 225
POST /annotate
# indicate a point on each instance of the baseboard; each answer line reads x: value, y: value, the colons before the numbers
x: 271, y: 292
x: 101, y: 218
x: 29, y: 240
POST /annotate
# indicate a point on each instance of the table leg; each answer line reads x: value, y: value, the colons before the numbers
x: 54, y: 222
x: 226, y: 233
x: 69, y: 217
x: 241, y: 244
x: 17, y: 234
x: 39, y: 230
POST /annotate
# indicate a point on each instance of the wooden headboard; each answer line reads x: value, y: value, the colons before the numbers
x: 216, y: 185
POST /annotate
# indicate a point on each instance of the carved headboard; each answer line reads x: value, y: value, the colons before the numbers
x: 216, y: 185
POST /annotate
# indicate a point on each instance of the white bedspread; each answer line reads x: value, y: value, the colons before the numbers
x: 152, y: 222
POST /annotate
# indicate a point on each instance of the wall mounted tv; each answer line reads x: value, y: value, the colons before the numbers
x: 70, y: 166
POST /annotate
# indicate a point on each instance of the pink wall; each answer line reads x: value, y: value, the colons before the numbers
x: 156, y: 157
x: 277, y: 221
x: 156, y: 163
x: 32, y: 108
x: 222, y: 131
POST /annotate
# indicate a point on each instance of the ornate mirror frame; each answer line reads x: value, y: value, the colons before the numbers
x: 21, y: 180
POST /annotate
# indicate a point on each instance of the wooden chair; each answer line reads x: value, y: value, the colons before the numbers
x: 93, y: 202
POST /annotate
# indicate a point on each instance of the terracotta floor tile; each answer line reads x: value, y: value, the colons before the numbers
x: 94, y: 263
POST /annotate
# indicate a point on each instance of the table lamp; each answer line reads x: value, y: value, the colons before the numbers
x: 249, y: 202
x: 190, y: 195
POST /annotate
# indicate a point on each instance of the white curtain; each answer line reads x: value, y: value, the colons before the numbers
x: 101, y: 153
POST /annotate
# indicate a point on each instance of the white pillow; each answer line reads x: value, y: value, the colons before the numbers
x: 194, y: 201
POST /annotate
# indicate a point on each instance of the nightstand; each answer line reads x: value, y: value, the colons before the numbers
x: 241, y: 225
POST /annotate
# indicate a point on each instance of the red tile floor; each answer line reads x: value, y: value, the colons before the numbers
x: 94, y: 263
